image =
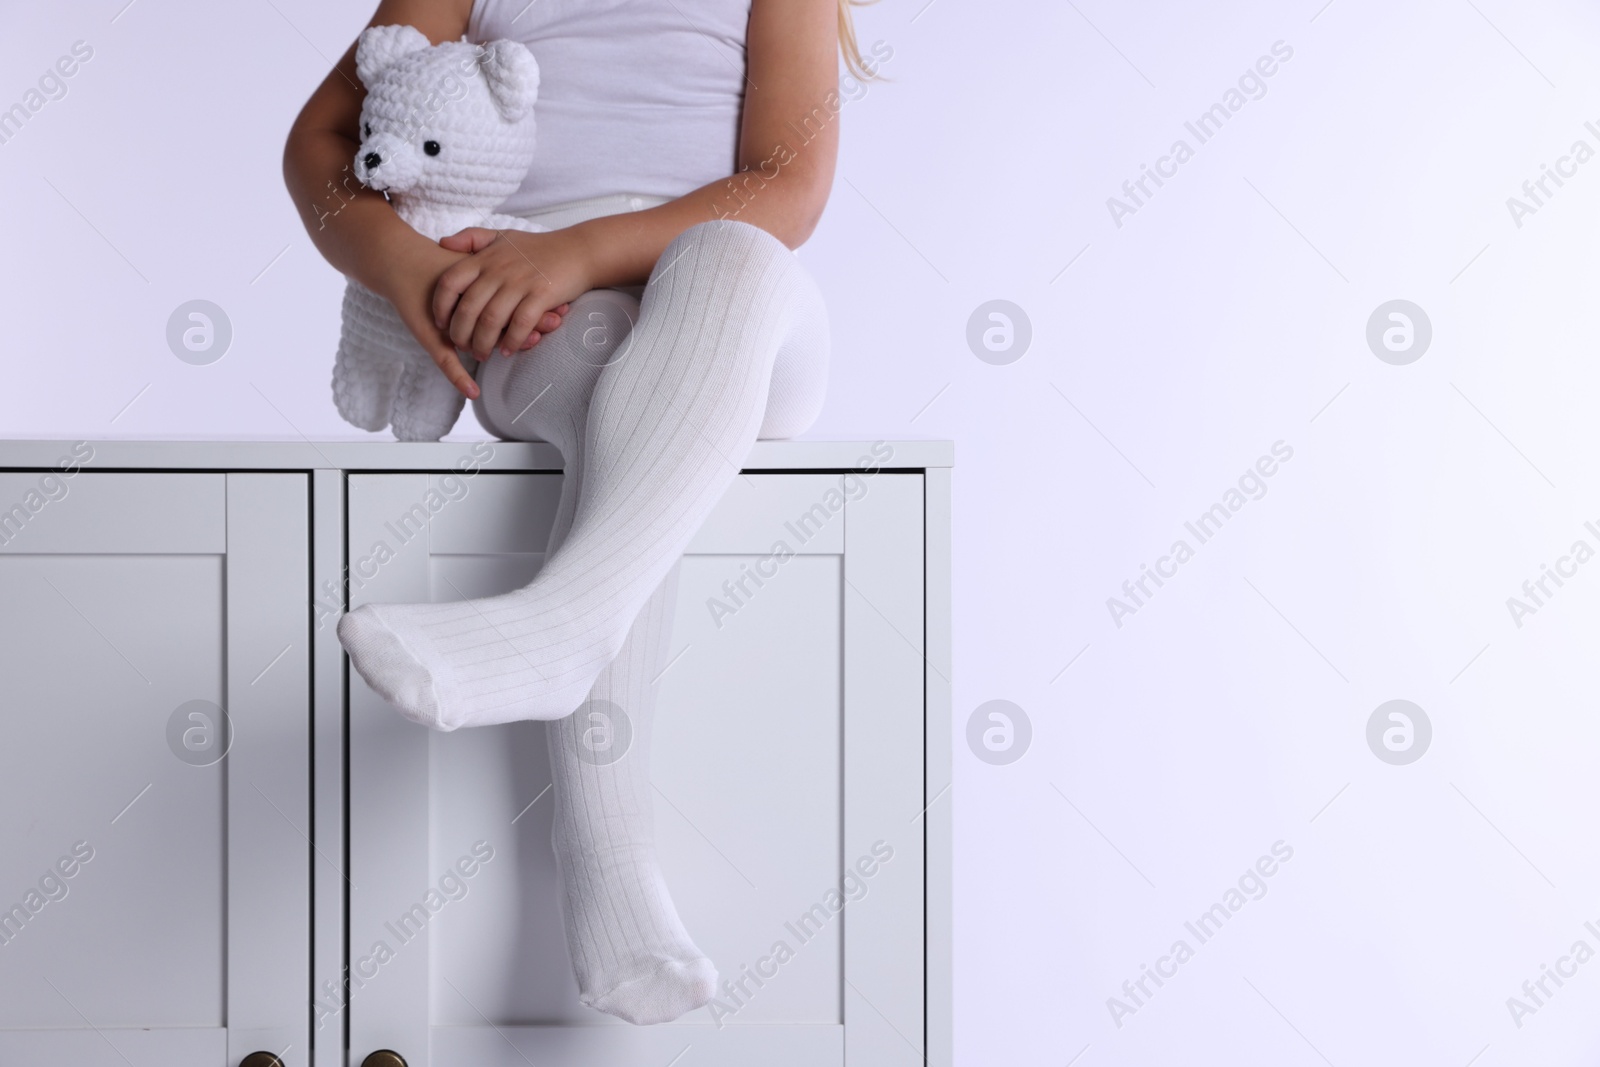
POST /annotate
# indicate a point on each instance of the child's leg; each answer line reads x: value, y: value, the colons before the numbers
x: 543, y: 394
x: 630, y: 953
x: 728, y: 313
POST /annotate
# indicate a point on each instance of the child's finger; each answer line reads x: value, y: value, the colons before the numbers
x: 493, y: 320
x: 448, y: 290
x: 450, y: 364
x: 438, y: 348
x: 529, y: 321
x: 508, y: 347
x: 470, y: 305
x: 471, y: 239
x: 551, y: 320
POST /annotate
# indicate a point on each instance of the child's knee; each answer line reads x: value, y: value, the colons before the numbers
x: 723, y: 235
x: 598, y: 325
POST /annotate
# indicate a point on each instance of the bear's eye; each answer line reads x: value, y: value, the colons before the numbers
x: 366, y: 131
x: 431, y: 147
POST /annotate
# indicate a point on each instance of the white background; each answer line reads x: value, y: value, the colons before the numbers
x: 1229, y: 313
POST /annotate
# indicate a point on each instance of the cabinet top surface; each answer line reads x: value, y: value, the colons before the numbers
x: 441, y: 455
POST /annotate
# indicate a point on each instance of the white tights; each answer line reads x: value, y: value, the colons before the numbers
x: 654, y: 404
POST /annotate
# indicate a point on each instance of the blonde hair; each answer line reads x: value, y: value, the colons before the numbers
x: 847, y: 42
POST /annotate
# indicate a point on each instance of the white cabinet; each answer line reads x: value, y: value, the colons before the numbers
x: 155, y: 893
x: 802, y: 748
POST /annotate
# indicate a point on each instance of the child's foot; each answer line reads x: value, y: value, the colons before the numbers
x: 666, y: 990
x: 478, y: 662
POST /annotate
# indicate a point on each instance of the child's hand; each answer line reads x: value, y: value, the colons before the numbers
x: 410, y: 285
x: 505, y: 292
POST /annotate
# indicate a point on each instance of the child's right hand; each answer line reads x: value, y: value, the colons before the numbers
x: 409, y: 285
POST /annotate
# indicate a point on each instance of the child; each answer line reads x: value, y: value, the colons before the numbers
x: 668, y: 158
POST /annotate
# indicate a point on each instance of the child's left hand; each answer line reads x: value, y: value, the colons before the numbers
x: 495, y: 298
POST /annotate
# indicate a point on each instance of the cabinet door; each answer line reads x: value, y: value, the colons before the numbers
x: 788, y: 745
x: 153, y: 878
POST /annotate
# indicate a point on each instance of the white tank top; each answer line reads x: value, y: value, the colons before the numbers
x: 635, y: 96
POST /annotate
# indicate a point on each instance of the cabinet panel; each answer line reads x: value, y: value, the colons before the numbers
x: 137, y: 608
x: 758, y: 811
x: 884, y: 613
x: 269, y: 766
x: 90, y: 511
x: 91, y: 686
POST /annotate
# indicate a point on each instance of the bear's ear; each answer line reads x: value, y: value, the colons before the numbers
x: 513, y: 77
x: 380, y: 47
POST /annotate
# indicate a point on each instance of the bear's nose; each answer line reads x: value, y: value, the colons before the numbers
x: 372, y: 159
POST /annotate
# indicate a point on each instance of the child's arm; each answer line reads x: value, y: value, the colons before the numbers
x: 496, y: 297
x: 355, y: 228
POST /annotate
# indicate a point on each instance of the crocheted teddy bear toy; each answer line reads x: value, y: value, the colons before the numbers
x: 447, y: 132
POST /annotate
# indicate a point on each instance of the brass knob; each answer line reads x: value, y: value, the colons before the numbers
x: 384, y: 1058
x: 261, y: 1059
